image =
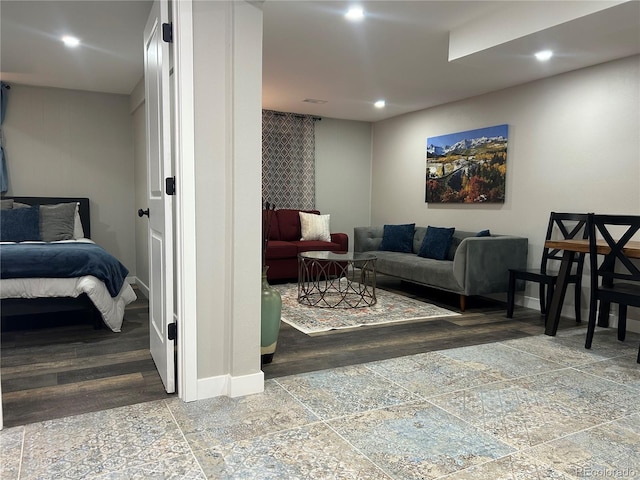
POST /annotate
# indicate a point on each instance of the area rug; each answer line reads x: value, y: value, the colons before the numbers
x: 389, y: 308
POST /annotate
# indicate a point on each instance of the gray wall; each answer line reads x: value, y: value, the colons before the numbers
x: 574, y: 145
x: 343, y: 173
x: 73, y: 143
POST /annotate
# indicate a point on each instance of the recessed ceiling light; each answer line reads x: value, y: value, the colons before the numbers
x: 544, y: 55
x: 70, y: 41
x: 355, y: 14
x: 379, y: 104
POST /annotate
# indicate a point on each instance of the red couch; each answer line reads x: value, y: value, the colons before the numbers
x: 284, y: 244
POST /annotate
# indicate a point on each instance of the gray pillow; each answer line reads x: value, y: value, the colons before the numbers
x: 57, y: 221
x: 6, y: 203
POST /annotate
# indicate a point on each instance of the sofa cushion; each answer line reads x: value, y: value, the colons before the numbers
x: 289, y: 223
x: 279, y: 249
x: 315, y: 246
x: 398, y: 238
x: 410, y: 267
x: 314, y: 227
x: 436, y: 243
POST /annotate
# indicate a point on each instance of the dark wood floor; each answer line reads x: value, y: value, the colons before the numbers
x: 483, y: 321
x: 73, y: 368
x: 56, y: 372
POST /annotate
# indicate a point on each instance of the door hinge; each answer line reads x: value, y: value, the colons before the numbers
x: 170, y: 185
x: 172, y: 331
x: 167, y: 32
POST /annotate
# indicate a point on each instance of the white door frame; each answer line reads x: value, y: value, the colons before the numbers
x: 185, y: 220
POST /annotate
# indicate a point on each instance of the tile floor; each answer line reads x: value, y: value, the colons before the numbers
x: 536, y: 407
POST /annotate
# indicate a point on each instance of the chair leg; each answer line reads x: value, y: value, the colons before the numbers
x: 543, y: 303
x: 511, y: 292
x: 622, y: 322
x: 550, y: 289
x: 463, y: 302
x: 591, y: 327
x: 576, y: 299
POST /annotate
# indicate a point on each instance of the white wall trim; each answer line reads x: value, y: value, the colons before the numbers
x: 144, y: 289
x: 633, y: 325
x: 246, y: 384
x: 186, y: 265
x: 227, y: 385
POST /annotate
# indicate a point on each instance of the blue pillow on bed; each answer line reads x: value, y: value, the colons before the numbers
x: 20, y: 224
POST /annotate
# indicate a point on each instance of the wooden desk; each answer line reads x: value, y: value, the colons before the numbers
x: 570, y: 248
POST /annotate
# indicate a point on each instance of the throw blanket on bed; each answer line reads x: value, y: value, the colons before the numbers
x: 62, y: 260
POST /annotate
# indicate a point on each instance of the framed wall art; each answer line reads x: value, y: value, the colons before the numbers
x: 467, y: 167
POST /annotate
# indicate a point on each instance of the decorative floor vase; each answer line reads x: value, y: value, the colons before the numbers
x: 271, y: 309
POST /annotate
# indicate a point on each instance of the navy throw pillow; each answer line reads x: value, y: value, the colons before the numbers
x: 483, y: 233
x: 20, y: 224
x: 398, y: 238
x: 436, y: 243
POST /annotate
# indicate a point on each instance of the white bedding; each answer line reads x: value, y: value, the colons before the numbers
x: 111, y: 308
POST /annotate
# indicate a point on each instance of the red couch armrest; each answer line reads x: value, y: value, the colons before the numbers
x: 342, y: 239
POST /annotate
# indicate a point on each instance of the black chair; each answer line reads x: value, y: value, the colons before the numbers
x: 561, y: 226
x: 616, y: 279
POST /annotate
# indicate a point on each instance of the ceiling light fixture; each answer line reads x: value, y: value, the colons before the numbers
x: 544, y: 55
x: 70, y: 41
x: 355, y: 14
x: 379, y: 104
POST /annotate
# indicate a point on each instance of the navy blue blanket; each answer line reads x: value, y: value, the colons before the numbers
x: 62, y: 260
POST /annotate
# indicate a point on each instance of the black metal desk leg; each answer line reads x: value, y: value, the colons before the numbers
x: 555, y: 309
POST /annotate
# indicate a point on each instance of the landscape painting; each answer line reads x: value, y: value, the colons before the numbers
x: 467, y: 167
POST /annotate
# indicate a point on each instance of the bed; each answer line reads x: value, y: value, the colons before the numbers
x: 49, y: 264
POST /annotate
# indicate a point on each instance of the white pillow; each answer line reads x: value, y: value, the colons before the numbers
x: 78, y: 231
x: 315, y: 227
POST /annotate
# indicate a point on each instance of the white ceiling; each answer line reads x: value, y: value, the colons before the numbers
x: 109, y: 59
x: 414, y: 54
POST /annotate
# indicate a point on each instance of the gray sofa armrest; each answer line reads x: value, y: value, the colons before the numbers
x: 481, y: 264
x: 366, y: 239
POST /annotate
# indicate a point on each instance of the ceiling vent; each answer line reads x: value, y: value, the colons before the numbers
x: 314, y: 100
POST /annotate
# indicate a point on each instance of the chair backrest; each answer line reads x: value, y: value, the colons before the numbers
x: 616, y: 263
x: 567, y: 226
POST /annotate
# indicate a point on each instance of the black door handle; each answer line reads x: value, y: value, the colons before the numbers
x: 142, y: 212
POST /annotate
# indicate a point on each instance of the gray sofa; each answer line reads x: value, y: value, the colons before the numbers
x: 474, y: 265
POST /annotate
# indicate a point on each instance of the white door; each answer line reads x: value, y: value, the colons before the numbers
x: 160, y: 205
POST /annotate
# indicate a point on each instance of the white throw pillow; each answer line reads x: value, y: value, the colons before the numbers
x: 315, y: 227
x: 78, y: 231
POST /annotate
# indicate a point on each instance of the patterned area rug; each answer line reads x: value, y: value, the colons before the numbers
x: 390, y: 308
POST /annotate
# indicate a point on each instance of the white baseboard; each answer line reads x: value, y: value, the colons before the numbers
x: 144, y: 289
x: 568, y: 310
x: 246, y: 385
x: 230, y: 386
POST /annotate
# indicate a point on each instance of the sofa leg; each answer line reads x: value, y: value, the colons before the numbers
x: 463, y: 302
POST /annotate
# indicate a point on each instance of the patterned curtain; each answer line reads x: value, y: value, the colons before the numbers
x: 288, y: 160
